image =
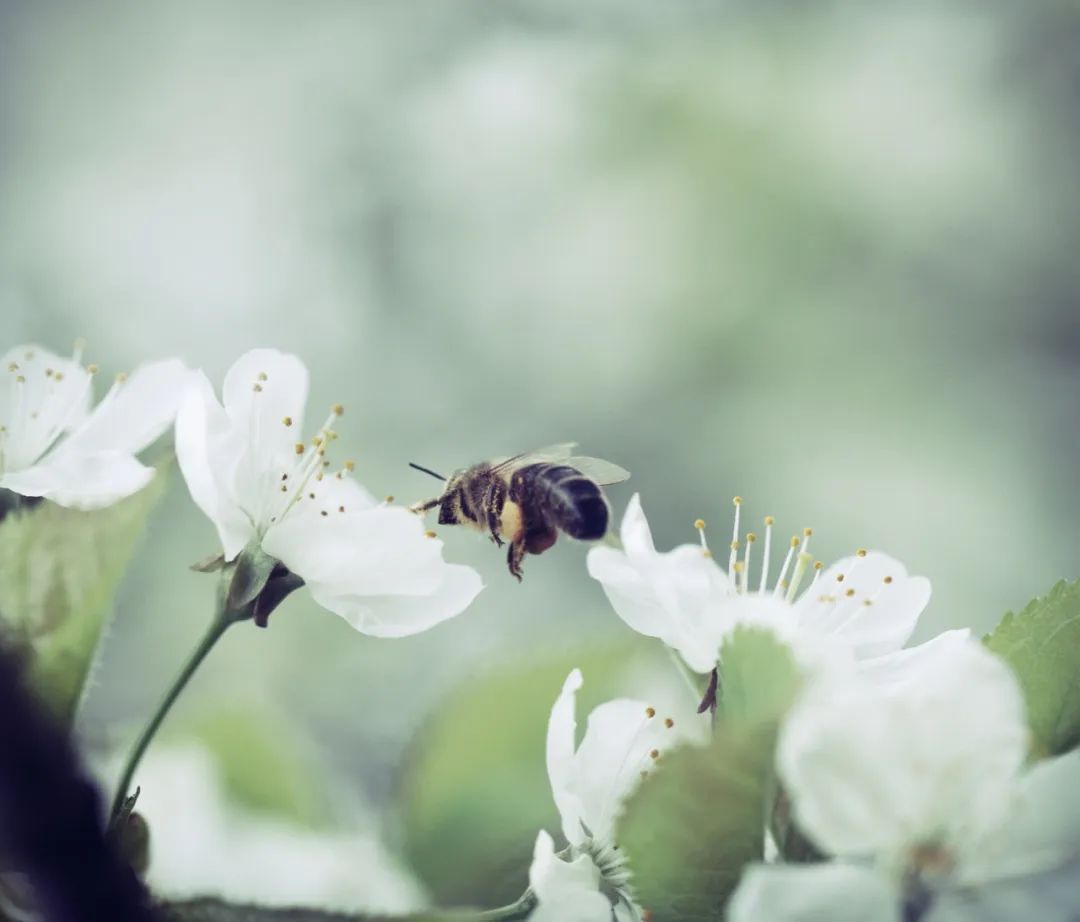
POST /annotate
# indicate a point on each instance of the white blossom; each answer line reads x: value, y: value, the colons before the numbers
x: 920, y: 792
x: 865, y: 605
x: 54, y: 446
x: 252, y: 473
x: 623, y: 743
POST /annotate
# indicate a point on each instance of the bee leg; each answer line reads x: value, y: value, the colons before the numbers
x: 514, y: 556
x: 494, y: 498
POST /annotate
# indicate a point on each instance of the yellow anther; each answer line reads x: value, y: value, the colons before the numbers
x: 350, y: 466
x: 769, y: 520
x: 734, y: 545
x: 849, y: 593
x: 429, y: 534
x: 739, y: 566
x: 839, y: 577
x: 262, y: 376
x: 888, y: 579
x: 257, y: 388
x: 319, y: 476
x: 669, y: 723
x: 861, y: 552
x: 299, y: 448
x: 654, y: 754
x: 751, y: 538
x: 706, y: 553
x: 650, y: 713
x: 818, y: 565
x: 286, y: 421
x: 317, y: 441
x: 736, y: 500
x: 14, y: 366
x: 389, y: 498
x: 699, y: 524
x: 19, y: 379
x: 338, y: 409
x: 808, y: 532
x: 92, y: 368
x: 59, y: 376
x: 794, y: 541
x: 120, y: 378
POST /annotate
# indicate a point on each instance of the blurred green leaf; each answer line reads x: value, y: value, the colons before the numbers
x: 1042, y: 644
x: 476, y: 790
x: 265, y: 764
x: 59, y: 569
x: 758, y: 676
x: 213, y: 910
x: 692, y: 826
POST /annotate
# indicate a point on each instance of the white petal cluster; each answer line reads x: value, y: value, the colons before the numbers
x: 865, y: 606
x: 623, y: 743
x: 251, y: 472
x: 53, y: 445
x: 920, y: 791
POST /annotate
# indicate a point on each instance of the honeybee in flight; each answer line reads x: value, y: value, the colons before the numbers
x: 528, y: 499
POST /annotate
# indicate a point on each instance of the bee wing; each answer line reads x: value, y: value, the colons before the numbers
x: 603, y: 472
x: 553, y: 453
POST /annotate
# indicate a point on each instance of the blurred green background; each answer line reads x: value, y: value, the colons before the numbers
x: 823, y: 256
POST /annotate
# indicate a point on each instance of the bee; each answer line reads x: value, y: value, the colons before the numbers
x: 527, y: 499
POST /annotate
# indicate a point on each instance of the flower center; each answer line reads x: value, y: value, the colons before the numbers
x: 297, y: 476
x: 739, y: 570
x: 43, y: 403
x: 838, y: 601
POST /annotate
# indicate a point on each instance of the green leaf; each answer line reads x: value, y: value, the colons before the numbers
x: 758, y: 676
x: 265, y: 763
x: 213, y: 910
x: 1042, y: 644
x: 59, y: 569
x: 691, y: 826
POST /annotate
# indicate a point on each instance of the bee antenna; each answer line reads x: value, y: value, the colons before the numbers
x: 427, y: 470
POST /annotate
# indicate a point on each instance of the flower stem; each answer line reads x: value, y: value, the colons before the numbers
x: 517, y: 910
x: 217, y: 628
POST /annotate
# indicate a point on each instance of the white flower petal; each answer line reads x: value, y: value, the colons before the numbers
x: 135, y: 411
x: 838, y: 606
x: 1043, y: 831
x: 377, y: 551
x: 81, y: 481
x: 401, y: 615
x: 871, y: 772
x: 263, y: 387
x: 42, y: 397
x: 665, y: 595
x: 894, y: 672
x: 207, y: 450
x: 813, y: 893
x: 567, y: 891
x: 561, y: 742
x: 590, y: 785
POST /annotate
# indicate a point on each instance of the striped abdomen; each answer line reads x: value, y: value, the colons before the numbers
x: 561, y: 496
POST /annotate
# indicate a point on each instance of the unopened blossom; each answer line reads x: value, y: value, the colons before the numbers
x: 55, y: 445
x: 265, y: 487
x: 921, y: 793
x: 865, y: 605
x: 624, y: 742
